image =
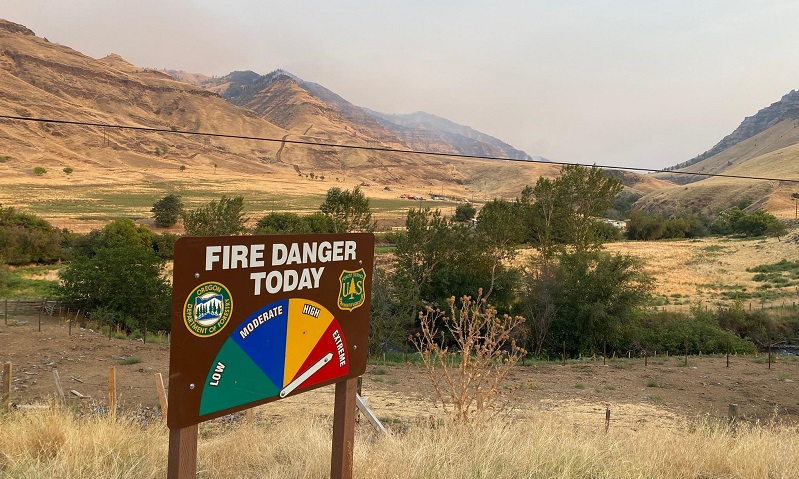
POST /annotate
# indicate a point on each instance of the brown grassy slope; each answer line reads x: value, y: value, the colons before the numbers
x: 734, y: 160
x: 773, y: 153
x: 714, y: 194
x: 42, y: 79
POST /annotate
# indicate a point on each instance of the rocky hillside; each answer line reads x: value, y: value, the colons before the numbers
x: 54, y: 167
x: 770, y: 129
x: 422, y: 130
x: 41, y: 79
x: 313, y: 110
x: 764, y: 145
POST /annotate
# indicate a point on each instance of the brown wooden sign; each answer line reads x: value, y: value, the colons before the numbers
x: 258, y: 318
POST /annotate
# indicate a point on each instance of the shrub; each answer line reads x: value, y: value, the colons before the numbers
x: 39, y: 171
x: 166, y: 211
x: 465, y: 212
x: 26, y: 238
x: 164, y: 245
x: 347, y: 210
x: 68, y: 170
x: 217, y: 218
x: 467, y: 370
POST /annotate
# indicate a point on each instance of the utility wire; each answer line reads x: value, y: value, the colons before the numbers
x: 380, y: 148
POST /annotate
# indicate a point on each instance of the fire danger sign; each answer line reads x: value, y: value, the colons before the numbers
x: 258, y: 318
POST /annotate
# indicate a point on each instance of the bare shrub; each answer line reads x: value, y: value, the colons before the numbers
x: 468, y: 355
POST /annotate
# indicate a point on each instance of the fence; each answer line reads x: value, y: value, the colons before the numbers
x: 6, y: 397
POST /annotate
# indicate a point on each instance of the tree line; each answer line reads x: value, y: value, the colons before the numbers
x: 568, y: 290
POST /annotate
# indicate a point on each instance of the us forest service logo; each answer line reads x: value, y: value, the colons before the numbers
x: 207, y: 309
x: 351, y: 289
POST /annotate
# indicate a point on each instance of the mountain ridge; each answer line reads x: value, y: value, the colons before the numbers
x: 417, y: 131
x: 785, y: 109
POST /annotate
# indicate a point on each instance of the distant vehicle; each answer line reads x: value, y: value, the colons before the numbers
x: 387, y: 188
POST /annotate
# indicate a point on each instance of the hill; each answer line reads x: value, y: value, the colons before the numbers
x: 46, y: 80
x: 764, y: 145
x: 301, y: 106
x: 773, y: 128
x: 79, y: 175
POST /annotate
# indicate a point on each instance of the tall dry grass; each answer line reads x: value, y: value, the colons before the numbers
x: 56, y: 444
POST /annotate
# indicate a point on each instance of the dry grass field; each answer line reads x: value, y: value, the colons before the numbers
x: 57, y: 444
x: 668, y: 417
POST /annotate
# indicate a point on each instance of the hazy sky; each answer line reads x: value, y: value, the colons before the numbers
x: 639, y: 83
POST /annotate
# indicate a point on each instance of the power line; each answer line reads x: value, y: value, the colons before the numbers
x: 380, y: 148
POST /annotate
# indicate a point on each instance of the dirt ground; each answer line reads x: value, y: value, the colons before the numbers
x: 663, y: 392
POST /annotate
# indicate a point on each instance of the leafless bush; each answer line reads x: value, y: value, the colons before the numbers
x: 467, y: 351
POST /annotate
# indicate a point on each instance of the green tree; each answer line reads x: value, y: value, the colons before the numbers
x: 465, y: 212
x: 166, y: 211
x: 622, y: 205
x: 564, y: 211
x: 726, y: 221
x: 760, y: 223
x: 279, y: 222
x: 292, y: 223
x: 393, y: 312
x: 440, y: 259
x: 541, y: 215
x: 499, y: 222
x: 317, y: 223
x: 584, y: 194
x: 26, y: 238
x: 347, y: 210
x: 598, y: 296
x: 164, y: 245
x: 645, y: 227
x: 3, y: 274
x: 737, y: 221
x: 217, y: 218
x: 119, y: 275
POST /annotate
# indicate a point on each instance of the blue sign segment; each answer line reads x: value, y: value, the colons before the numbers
x: 262, y: 337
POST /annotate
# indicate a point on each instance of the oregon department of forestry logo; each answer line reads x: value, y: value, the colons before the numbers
x: 351, y: 289
x: 207, y: 309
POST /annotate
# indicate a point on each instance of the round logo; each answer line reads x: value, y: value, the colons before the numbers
x: 207, y: 309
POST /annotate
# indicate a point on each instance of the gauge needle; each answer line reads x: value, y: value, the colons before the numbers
x: 304, y: 376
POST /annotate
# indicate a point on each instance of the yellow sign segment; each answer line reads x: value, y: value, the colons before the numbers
x: 307, y: 322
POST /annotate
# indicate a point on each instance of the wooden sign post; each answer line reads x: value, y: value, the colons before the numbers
x: 256, y: 319
x: 344, y: 413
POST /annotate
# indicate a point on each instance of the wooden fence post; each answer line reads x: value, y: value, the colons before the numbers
x: 607, y: 419
x: 7, y: 386
x: 769, y: 355
x: 732, y: 413
x: 6, y: 313
x: 686, y: 354
x: 162, y: 401
x: 112, y: 391
x: 61, y: 399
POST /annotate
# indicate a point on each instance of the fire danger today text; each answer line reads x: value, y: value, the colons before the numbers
x: 255, y: 256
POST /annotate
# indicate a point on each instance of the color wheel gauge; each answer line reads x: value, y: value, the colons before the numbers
x: 288, y: 345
